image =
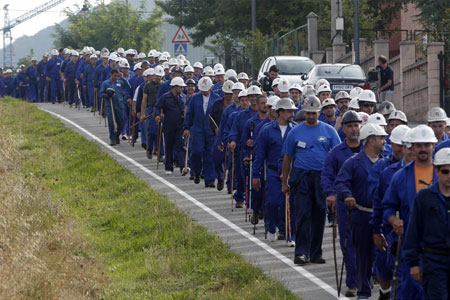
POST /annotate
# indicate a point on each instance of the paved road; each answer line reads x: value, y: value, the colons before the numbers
x: 211, y: 208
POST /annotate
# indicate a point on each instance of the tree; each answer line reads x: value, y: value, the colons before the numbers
x: 111, y: 25
x: 27, y: 59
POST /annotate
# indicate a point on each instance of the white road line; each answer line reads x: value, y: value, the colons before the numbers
x: 323, y: 285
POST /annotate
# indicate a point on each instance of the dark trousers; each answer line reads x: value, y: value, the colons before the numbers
x: 173, y: 137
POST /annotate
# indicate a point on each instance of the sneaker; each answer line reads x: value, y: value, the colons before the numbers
x: 219, y: 185
x: 168, y: 172
x: 318, y: 260
x: 351, y: 292
x: 301, y: 260
x: 290, y: 243
x: 197, y: 180
x: 254, y: 218
x: 272, y: 236
x: 383, y: 296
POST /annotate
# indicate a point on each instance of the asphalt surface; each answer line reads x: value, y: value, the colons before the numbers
x: 212, y: 209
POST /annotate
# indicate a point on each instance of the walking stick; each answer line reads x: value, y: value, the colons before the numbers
x: 334, y: 247
x: 79, y: 97
x: 288, y: 218
x: 397, y: 261
x: 100, y: 112
x: 246, y: 194
x: 158, y: 147
x: 249, y: 178
x: 186, y: 170
x: 95, y: 101
x: 129, y: 121
x: 225, y: 164
x: 113, y: 115
x: 347, y: 231
x: 232, y: 179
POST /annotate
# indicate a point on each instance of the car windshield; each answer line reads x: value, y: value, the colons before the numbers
x: 294, y: 66
x: 347, y: 71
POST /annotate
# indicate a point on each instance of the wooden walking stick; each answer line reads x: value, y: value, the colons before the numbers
x: 95, y: 101
x: 113, y: 115
x: 100, y: 112
x: 232, y: 179
x: 334, y: 247
x: 288, y: 218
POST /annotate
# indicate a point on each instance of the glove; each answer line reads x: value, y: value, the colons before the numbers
x: 110, y: 92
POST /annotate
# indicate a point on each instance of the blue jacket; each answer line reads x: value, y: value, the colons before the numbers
x: 196, y: 120
x: 52, y: 68
x: 268, y: 148
x: 163, y: 88
x: 41, y: 69
x: 173, y: 108
x: 221, y: 139
x: 217, y: 89
x: 429, y: 227
x: 117, y: 86
x: 106, y: 73
x: 239, y: 123
x: 374, y: 174
x: 22, y: 78
x: 401, y: 193
x: 245, y: 136
x: 80, y: 68
x: 89, y: 75
x: 216, y: 114
x: 352, y: 182
x: 32, y: 73
x: 333, y: 163
x: 98, y: 75
x: 10, y: 86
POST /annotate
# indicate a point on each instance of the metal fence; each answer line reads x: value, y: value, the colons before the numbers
x: 292, y: 42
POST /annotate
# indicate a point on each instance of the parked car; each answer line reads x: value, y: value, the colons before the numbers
x: 342, y: 77
x: 291, y: 67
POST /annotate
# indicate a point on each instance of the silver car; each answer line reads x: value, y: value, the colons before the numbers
x: 291, y: 67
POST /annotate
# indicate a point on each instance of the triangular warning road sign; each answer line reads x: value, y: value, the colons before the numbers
x: 180, y: 36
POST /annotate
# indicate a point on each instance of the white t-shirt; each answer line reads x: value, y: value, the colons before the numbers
x: 283, y: 129
x: 205, y: 103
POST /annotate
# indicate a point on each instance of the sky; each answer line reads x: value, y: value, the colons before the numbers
x: 45, y: 19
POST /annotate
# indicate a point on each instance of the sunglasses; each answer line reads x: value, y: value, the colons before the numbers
x: 368, y: 105
x: 445, y: 171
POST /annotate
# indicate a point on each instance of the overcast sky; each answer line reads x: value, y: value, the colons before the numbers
x: 45, y: 19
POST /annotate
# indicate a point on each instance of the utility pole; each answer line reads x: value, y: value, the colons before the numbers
x: 336, y: 12
x: 356, y: 31
x: 253, y: 30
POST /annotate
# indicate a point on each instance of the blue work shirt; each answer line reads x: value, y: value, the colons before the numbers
x: 374, y: 174
x: 98, y: 75
x: 216, y: 114
x: 309, y: 145
x: 245, y: 136
x: 401, y: 193
x: 163, y: 88
x: 333, y: 163
x: 41, y: 69
x: 117, y: 98
x: 32, y: 73
x: 173, y: 108
x: 22, y: 78
x: 269, y: 148
x: 70, y: 70
x: 80, y: 68
x: 52, y: 68
x: 89, y: 75
x: 196, y: 120
x: 239, y: 123
x: 221, y: 139
x: 217, y: 89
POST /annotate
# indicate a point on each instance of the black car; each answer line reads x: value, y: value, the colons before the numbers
x: 342, y: 77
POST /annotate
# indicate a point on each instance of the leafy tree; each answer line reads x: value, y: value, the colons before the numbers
x: 111, y: 25
x: 27, y: 59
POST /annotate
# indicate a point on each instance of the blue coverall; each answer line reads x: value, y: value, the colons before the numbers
x: 89, y: 84
x: 42, y: 82
x: 33, y: 83
x: 218, y: 156
x: 428, y: 235
x: 52, y: 71
x: 22, y: 84
x: 118, y: 107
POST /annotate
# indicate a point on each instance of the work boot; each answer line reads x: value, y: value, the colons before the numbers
x: 144, y: 146
x: 383, y: 296
x: 318, y: 260
x: 113, y: 143
x: 197, y: 180
x: 149, y: 154
x: 239, y: 204
x: 254, y: 218
x: 351, y: 292
x: 210, y: 185
x: 191, y: 177
x: 219, y: 185
x: 301, y: 260
x: 261, y: 216
x: 281, y: 237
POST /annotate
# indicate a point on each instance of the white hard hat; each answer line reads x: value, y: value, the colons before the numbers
x: 323, y: 88
x: 242, y: 76
x: 242, y: 93
x: 283, y: 85
x: 398, y: 134
x: 166, y: 53
x: 21, y: 66
x: 342, y: 95
x: 151, y: 53
x: 378, y: 119
x: 442, y: 157
x: 96, y: 53
x: 321, y: 82
x: 189, y: 69
x: 93, y: 56
x: 227, y: 87
x: 307, y: 88
x: 295, y: 86
x: 328, y: 102
x: 312, y: 104
x: 198, y: 65
x: 353, y: 103
x: 74, y: 53
x: 162, y: 58
x: 354, y: 92
x: 165, y: 65
x: 407, y: 138
x: 230, y: 73
x: 436, y: 114
x: 364, y: 117
x: 173, y: 62
x: 276, y: 81
x: 141, y: 55
x: 423, y: 134
x: 181, y: 56
x: 137, y: 66
x: 159, y: 71
x: 272, y: 100
x: 103, y: 55
x: 149, y: 72
x: 205, y: 84
x: 398, y: 115
x: 120, y: 51
x: 158, y: 54
x: 54, y: 52
x: 253, y: 90
x: 207, y: 68
x: 219, y: 71
x: 448, y: 122
x: 371, y: 129
x: 181, y: 62
x: 386, y: 107
x: 218, y: 66
x: 187, y: 62
x: 129, y: 52
x: 238, y: 86
x: 34, y: 58
x: 45, y: 54
x: 124, y: 64
x: 285, y: 103
x: 177, y: 81
x: 208, y: 72
x: 367, y: 96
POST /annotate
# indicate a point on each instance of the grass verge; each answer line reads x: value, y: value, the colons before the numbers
x: 149, y: 249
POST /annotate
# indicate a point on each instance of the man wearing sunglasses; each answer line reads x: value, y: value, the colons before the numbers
x: 400, y: 195
x: 367, y: 101
x: 429, y: 230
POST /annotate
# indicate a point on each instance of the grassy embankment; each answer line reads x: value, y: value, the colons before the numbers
x: 74, y: 224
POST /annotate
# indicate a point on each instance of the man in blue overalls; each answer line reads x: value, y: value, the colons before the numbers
x: 305, y: 150
x: 269, y: 145
x: 351, y: 187
x: 41, y: 74
x: 89, y: 81
x: 23, y: 82
x: 33, y: 80
x: 197, y: 122
x: 351, y: 124
x: 69, y: 76
x: 400, y: 195
x: 428, y: 233
x: 52, y: 74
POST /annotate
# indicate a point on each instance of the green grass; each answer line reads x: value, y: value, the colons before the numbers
x: 150, y: 249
